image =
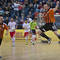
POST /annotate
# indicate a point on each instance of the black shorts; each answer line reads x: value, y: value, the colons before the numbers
x: 33, y: 32
x: 0, y: 41
x: 48, y: 26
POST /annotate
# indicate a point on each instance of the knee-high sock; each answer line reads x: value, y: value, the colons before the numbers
x: 26, y: 38
x: 45, y: 36
x: 13, y: 40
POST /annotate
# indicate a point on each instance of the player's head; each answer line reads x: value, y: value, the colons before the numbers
x: 1, y: 20
x: 26, y: 21
x: 35, y: 19
x: 46, y: 6
x: 12, y: 19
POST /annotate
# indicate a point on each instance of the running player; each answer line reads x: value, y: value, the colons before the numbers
x: 50, y: 21
x: 2, y: 28
x: 33, y: 26
x: 12, y: 28
x: 26, y: 27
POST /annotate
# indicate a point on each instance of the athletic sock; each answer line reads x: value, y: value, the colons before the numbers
x: 45, y: 36
x: 13, y: 41
x: 26, y: 38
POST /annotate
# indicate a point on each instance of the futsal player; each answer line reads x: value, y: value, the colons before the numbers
x: 2, y: 28
x: 26, y: 27
x: 33, y: 26
x: 12, y: 27
x: 50, y: 22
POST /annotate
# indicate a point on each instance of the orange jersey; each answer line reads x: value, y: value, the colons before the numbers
x: 49, y: 16
x: 2, y: 28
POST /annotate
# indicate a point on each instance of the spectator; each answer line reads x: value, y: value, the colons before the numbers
x: 30, y: 14
x: 20, y: 7
x: 1, y: 11
x: 49, y: 2
x: 6, y: 21
x: 16, y: 10
x: 29, y: 18
x: 17, y: 21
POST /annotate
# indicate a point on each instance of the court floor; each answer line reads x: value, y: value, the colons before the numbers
x: 39, y: 51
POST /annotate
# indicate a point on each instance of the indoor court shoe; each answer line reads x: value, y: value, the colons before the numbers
x: 0, y: 57
x: 13, y: 45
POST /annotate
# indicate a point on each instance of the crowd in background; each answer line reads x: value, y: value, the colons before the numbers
x: 22, y: 9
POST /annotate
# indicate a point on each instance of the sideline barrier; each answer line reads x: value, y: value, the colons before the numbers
x: 19, y: 35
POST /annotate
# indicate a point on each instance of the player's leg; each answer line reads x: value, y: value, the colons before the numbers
x: 12, y: 34
x: 45, y: 36
x: 54, y: 29
x: 30, y: 34
x: 57, y: 34
x: 33, y: 39
x: 26, y: 37
x: 33, y: 36
x: 13, y: 40
x: 44, y: 29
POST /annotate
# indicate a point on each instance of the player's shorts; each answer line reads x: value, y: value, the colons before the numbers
x: 26, y: 34
x: 0, y: 41
x: 12, y: 34
x: 48, y: 26
x: 33, y: 32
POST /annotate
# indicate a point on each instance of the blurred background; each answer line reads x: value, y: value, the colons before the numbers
x: 22, y: 9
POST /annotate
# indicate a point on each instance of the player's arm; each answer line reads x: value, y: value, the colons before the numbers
x: 57, y: 5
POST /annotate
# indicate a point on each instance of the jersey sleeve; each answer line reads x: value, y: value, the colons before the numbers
x: 51, y: 11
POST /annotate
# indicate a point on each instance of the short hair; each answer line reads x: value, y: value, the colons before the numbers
x: 48, y: 5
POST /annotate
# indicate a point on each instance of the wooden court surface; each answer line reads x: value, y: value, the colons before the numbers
x: 39, y: 51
